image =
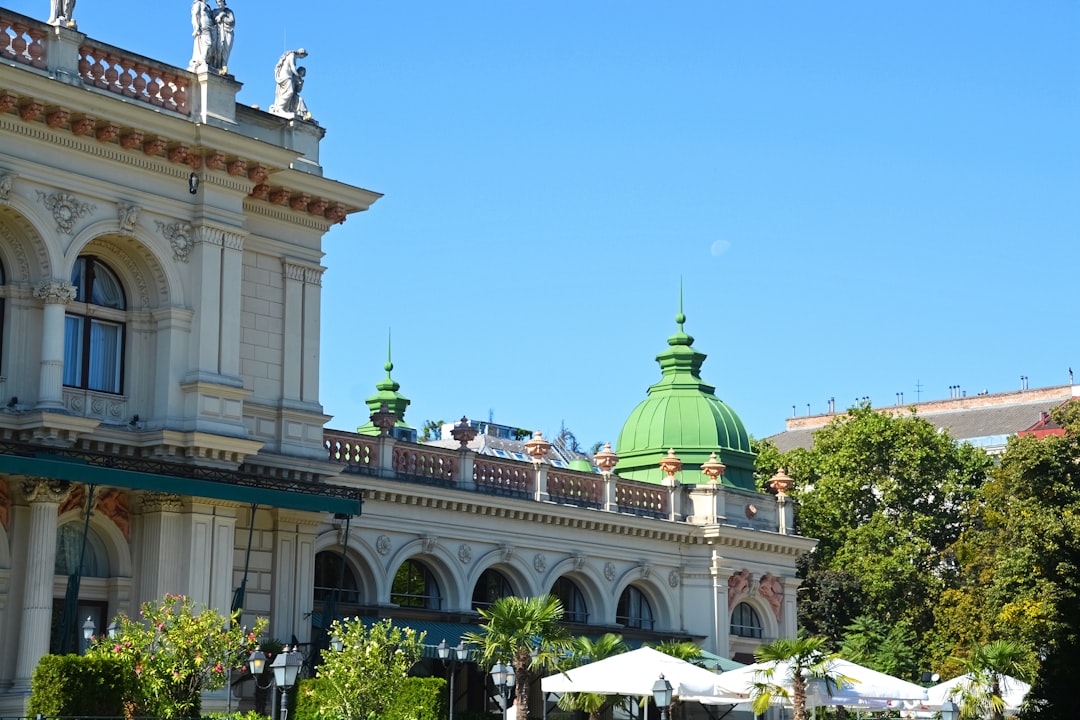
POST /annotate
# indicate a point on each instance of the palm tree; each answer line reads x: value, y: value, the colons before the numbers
x: 526, y: 632
x: 583, y: 652
x: 987, y: 666
x: 806, y: 659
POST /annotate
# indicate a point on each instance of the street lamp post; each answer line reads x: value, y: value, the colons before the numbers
x: 661, y: 692
x: 503, y: 677
x: 453, y: 655
x: 286, y: 667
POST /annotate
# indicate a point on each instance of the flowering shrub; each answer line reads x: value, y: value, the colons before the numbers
x: 175, y: 651
x: 362, y: 680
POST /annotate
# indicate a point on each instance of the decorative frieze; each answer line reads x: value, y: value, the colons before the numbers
x: 65, y: 209
x: 151, y: 501
x: 47, y: 490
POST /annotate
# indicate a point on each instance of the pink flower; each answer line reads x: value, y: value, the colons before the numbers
x: 138, y: 669
x: 116, y: 649
x: 218, y: 668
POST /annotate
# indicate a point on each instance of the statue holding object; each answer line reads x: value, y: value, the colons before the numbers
x: 290, y: 81
x: 213, y: 33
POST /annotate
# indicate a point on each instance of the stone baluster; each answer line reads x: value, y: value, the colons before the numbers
x: 44, y: 496
x: 56, y: 294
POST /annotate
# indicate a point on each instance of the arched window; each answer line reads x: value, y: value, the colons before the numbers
x: 69, y: 542
x: 633, y: 610
x: 94, y: 344
x: 414, y: 586
x: 573, y: 602
x: 331, y: 573
x: 745, y: 621
x: 491, y: 586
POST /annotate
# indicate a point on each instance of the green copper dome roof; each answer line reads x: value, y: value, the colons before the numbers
x: 387, y: 393
x: 681, y: 412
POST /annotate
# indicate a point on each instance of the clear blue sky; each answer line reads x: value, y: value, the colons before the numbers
x: 859, y: 196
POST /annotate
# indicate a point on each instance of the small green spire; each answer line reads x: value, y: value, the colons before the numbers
x: 387, y: 393
x: 680, y: 337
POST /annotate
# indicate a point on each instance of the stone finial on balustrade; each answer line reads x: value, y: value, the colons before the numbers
x: 670, y: 464
x: 713, y: 468
x: 606, y: 460
x: 384, y: 419
x: 463, y: 432
x: 781, y: 482
x: 538, y: 447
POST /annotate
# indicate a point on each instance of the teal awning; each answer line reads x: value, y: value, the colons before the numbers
x: 434, y: 632
x: 72, y: 470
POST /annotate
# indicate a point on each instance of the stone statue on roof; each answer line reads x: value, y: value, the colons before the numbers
x: 213, y: 33
x: 290, y: 81
x: 225, y: 24
x: 61, y: 13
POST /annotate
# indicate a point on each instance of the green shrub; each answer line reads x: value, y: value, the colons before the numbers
x: 306, y: 699
x: 419, y: 699
x: 77, y: 685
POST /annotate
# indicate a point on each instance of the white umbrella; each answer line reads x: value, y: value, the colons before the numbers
x: 862, y: 686
x: 1013, y: 692
x: 635, y: 673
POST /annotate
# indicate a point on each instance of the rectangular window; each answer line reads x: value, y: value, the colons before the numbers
x: 105, y: 344
x: 73, y: 326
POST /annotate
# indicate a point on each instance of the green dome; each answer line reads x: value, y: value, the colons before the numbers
x: 681, y: 412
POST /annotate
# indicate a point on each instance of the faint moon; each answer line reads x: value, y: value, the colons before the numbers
x: 719, y: 247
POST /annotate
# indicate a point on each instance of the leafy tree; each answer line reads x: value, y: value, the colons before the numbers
x: 886, y: 496
x: 800, y: 661
x: 366, y: 675
x: 174, y: 652
x: 830, y: 600
x: 583, y: 651
x: 513, y: 629
x: 683, y: 650
x: 886, y: 648
x: 432, y: 429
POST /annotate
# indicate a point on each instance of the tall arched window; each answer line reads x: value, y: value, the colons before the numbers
x: 414, y: 586
x: 573, y: 602
x: 331, y: 573
x: 634, y: 610
x: 69, y: 546
x: 491, y: 586
x: 94, y: 336
x: 745, y: 621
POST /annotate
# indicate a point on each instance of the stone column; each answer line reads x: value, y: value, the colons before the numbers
x: 44, y: 496
x: 294, y: 573
x: 721, y: 612
x: 56, y: 294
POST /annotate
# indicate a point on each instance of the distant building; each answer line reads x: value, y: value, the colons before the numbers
x: 986, y: 420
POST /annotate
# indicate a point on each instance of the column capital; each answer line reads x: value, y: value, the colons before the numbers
x: 55, y: 292
x: 45, y: 490
x: 152, y: 501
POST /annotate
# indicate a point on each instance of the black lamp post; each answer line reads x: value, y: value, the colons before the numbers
x: 949, y: 710
x: 661, y: 692
x: 453, y: 655
x: 503, y: 677
x: 286, y: 667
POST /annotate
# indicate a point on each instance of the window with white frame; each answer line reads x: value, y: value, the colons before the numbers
x: 745, y: 621
x: 94, y: 328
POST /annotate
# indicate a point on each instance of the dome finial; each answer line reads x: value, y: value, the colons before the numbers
x: 680, y: 318
x: 389, y: 364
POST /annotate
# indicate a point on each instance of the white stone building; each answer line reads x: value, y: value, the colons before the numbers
x: 159, y: 354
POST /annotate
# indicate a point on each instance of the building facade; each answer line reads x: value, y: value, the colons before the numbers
x: 160, y: 423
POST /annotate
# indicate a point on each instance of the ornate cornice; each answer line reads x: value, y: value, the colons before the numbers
x: 160, y: 502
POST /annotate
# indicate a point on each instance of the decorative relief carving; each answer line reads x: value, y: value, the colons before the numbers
x: 382, y: 544
x: 751, y: 512
x: 128, y: 215
x: 738, y: 586
x: 673, y: 578
x: 45, y: 490
x: 293, y: 271
x: 56, y: 292
x: 65, y: 209
x: 7, y: 181
x: 507, y: 552
x: 113, y: 504
x: 179, y: 235
x: 428, y: 542
x: 609, y: 571
x: 160, y: 502
x: 5, y: 505
x: 644, y: 568
x: 74, y: 501
x: 771, y: 590
x: 464, y: 553
x: 579, y: 562
x: 540, y: 562
x: 209, y: 235
x: 313, y: 276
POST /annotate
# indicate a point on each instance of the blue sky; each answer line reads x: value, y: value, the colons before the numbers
x: 861, y: 198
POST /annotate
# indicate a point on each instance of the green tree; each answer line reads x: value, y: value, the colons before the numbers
x: 797, y: 662
x: 527, y: 633
x: 681, y: 649
x: 886, y: 496
x: 363, y: 679
x: 886, y: 648
x: 583, y: 651
x: 175, y: 651
x: 987, y: 665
